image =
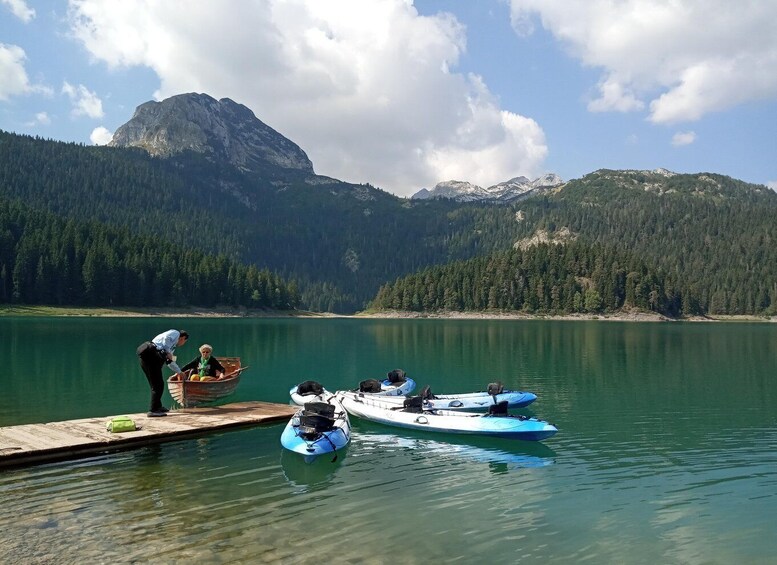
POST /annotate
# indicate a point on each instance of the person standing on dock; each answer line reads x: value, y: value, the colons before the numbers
x: 153, y: 355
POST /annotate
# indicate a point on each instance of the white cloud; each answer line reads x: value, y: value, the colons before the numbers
x: 41, y: 119
x: 84, y: 101
x: 683, y: 138
x: 687, y: 58
x: 368, y: 89
x: 101, y: 136
x: 13, y: 76
x: 614, y: 97
x: 20, y: 9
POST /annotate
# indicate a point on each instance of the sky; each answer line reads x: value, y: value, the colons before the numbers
x: 404, y: 94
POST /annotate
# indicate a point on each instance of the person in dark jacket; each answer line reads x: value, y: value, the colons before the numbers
x: 153, y: 355
x: 206, y: 365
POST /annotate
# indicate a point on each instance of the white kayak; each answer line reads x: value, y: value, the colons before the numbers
x: 309, y: 391
x: 317, y: 428
x: 470, y: 400
x: 396, y: 383
x: 496, y: 423
x: 482, y: 400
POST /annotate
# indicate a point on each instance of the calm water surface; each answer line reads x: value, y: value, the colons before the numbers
x: 667, y: 450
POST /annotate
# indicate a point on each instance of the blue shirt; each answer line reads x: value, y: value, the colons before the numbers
x: 166, y: 342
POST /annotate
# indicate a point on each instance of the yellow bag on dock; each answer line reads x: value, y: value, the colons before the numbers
x: 121, y: 424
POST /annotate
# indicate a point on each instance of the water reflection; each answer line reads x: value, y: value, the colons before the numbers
x: 501, y: 456
x: 308, y: 476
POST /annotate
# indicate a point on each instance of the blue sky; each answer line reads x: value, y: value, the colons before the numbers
x: 406, y: 94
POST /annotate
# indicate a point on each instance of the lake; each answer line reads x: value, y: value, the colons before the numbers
x: 666, y: 451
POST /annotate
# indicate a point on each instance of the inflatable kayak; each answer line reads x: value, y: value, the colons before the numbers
x: 411, y: 414
x: 478, y: 400
x: 471, y: 400
x: 317, y: 428
x: 396, y: 383
x: 309, y: 391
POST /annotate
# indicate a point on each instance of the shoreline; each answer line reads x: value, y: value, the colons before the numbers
x: 632, y: 316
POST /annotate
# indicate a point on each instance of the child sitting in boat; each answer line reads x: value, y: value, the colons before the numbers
x: 205, y: 367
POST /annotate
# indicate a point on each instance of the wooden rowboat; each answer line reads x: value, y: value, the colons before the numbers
x: 189, y: 394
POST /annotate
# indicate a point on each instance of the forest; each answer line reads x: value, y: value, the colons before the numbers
x: 547, y: 278
x: 108, y: 226
x: 46, y: 260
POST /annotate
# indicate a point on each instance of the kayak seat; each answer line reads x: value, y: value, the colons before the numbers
x: 370, y: 385
x: 495, y: 388
x: 316, y: 418
x: 414, y: 404
x: 310, y: 388
x: 315, y: 424
x: 396, y: 376
x: 498, y: 409
x: 319, y: 409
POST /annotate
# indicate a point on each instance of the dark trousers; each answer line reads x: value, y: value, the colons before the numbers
x: 151, y: 363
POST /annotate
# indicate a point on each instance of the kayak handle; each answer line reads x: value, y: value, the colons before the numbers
x: 422, y: 420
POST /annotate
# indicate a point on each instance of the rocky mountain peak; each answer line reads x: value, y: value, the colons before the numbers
x: 222, y: 129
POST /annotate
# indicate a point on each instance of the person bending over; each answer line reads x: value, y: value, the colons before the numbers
x: 153, y: 355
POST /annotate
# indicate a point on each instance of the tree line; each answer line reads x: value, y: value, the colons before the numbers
x: 713, y: 234
x: 47, y: 260
x: 545, y: 279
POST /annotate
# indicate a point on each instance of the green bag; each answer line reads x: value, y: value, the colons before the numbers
x: 121, y: 424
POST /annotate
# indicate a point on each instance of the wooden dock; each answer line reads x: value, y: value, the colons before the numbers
x: 40, y: 443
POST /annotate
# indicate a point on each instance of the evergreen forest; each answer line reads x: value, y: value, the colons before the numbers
x: 113, y: 226
x: 679, y: 245
x: 47, y: 260
x: 338, y: 241
x: 542, y: 279
x: 713, y: 236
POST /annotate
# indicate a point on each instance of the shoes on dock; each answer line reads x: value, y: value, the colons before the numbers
x: 158, y: 412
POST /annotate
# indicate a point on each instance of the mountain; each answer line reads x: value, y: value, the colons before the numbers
x: 220, y: 182
x: 220, y: 129
x: 508, y: 191
x: 337, y: 241
x: 678, y: 244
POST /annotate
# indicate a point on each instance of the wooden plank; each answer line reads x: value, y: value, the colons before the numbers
x: 37, y: 443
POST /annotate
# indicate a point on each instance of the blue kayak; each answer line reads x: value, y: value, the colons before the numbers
x: 317, y: 428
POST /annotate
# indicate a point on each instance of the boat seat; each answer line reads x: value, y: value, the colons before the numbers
x: 498, y: 409
x: 396, y: 376
x: 319, y: 409
x: 316, y: 417
x: 370, y: 385
x: 413, y: 404
x: 310, y: 388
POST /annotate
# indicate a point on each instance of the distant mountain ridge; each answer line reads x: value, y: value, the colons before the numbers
x: 508, y: 191
x: 223, y: 130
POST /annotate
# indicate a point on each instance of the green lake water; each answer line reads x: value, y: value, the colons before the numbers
x: 667, y: 449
